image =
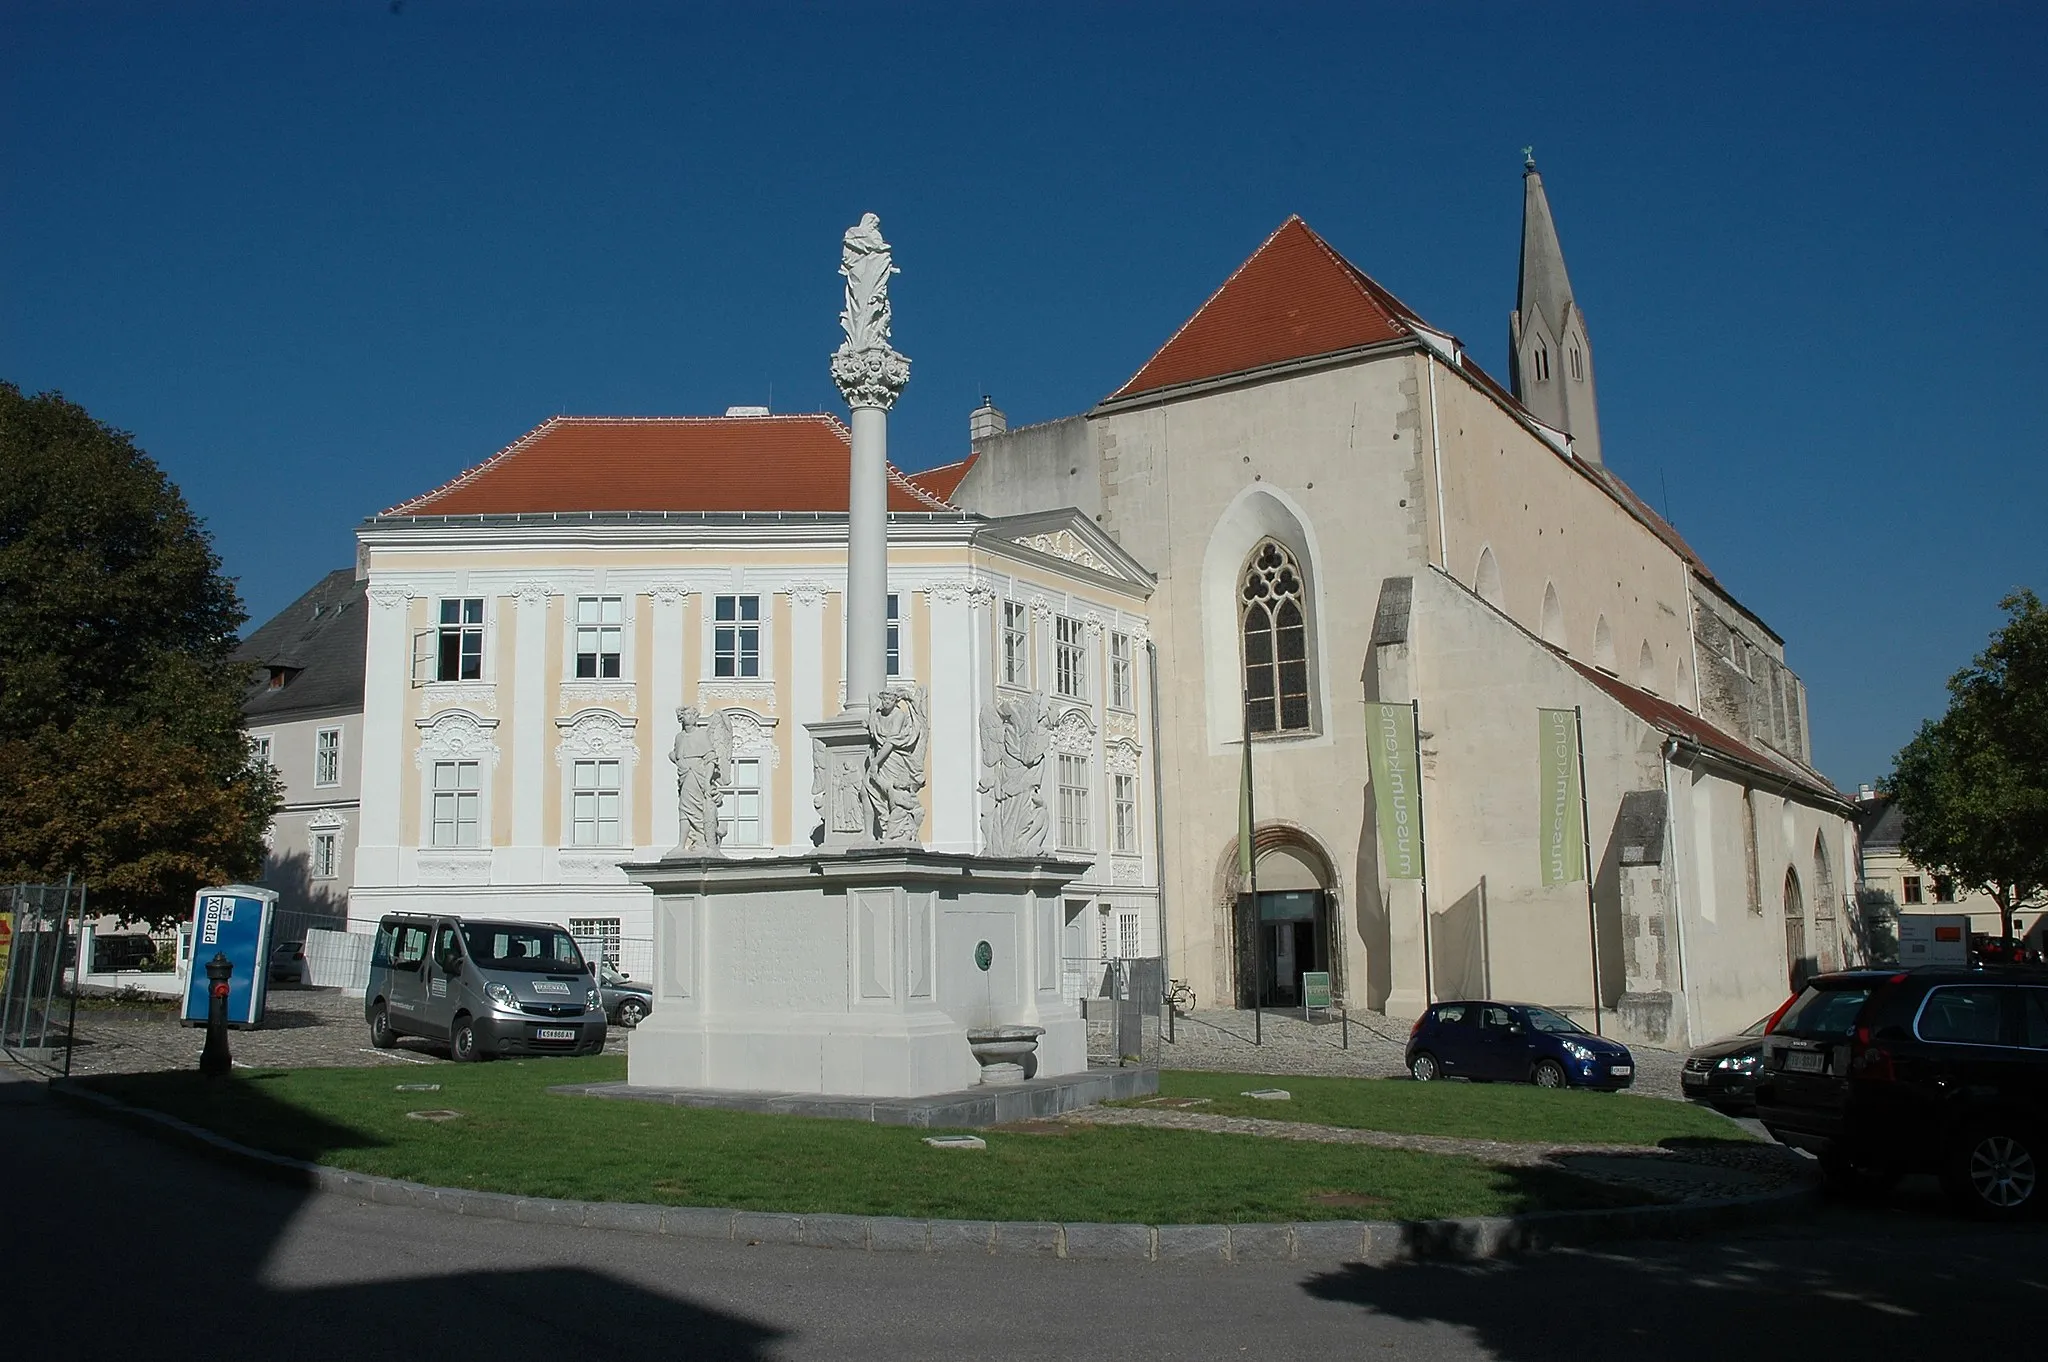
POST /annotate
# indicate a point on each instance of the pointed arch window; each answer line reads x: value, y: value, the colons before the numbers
x: 1578, y: 364
x: 1273, y: 619
x: 1541, y: 362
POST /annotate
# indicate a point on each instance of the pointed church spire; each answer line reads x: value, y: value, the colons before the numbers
x: 1550, y: 358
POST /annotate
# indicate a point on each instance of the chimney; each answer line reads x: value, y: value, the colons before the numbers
x: 986, y: 420
x: 1865, y: 793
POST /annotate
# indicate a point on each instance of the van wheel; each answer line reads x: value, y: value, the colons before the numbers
x: 462, y: 1041
x: 1425, y: 1068
x: 1995, y: 1171
x: 1549, y: 1074
x: 381, y: 1034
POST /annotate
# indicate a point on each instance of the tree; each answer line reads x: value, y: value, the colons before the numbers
x: 1972, y: 786
x: 122, y: 757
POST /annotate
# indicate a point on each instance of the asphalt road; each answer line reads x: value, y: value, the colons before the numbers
x: 120, y: 1246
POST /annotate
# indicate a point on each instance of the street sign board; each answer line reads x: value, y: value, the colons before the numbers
x: 233, y: 920
x: 1934, y: 939
x: 1315, y: 989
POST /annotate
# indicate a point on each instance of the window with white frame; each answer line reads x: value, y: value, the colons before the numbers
x: 1016, y: 644
x: 462, y: 640
x: 1127, y: 941
x: 324, y: 855
x: 603, y: 931
x: 1120, y: 671
x: 327, y: 757
x: 600, y: 635
x: 1124, y: 801
x: 736, y: 636
x: 1070, y: 658
x: 739, y: 808
x: 259, y: 751
x: 455, y: 803
x: 1073, y: 801
x: 594, y: 804
x: 895, y: 636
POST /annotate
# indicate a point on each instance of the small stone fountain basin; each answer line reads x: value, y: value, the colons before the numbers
x: 1007, y: 1054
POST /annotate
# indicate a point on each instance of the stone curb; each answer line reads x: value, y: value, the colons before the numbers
x: 1371, y: 1242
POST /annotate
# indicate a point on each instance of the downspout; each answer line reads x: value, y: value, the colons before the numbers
x: 1677, y: 881
x: 1436, y: 464
x: 1158, y: 811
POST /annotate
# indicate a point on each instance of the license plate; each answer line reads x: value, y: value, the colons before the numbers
x: 1806, y: 1061
x: 554, y: 1033
x: 1622, y: 1070
x: 1693, y: 1080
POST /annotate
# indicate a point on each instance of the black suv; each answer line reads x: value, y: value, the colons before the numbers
x: 1887, y: 1072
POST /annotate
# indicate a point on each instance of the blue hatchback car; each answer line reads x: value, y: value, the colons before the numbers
x: 1515, y: 1043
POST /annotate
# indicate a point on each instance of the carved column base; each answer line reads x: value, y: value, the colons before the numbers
x: 839, y: 758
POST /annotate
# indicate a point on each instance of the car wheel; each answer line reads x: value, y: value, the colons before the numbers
x: 632, y: 1012
x: 1548, y: 1074
x: 1996, y: 1172
x: 462, y: 1041
x: 1425, y: 1069
x: 381, y: 1034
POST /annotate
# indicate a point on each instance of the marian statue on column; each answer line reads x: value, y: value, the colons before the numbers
x: 866, y: 262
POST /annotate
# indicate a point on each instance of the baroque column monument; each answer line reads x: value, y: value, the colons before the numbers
x: 868, y: 966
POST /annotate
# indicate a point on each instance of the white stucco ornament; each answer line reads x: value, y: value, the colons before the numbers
x: 1014, y: 741
x: 702, y: 753
x: 897, y: 733
x: 867, y: 369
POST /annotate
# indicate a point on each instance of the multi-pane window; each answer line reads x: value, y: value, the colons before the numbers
x: 594, y: 802
x: 600, y: 631
x: 1016, y: 644
x: 455, y: 803
x: 736, y: 636
x: 1913, y: 892
x: 462, y: 640
x: 895, y: 637
x: 1944, y: 889
x: 1069, y: 658
x: 1120, y: 671
x: 259, y: 751
x: 739, y: 810
x: 327, y: 757
x: 1127, y: 935
x: 323, y: 855
x: 602, y: 932
x: 1124, y: 804
x: 1073, y: 801
x: 1275, y: 643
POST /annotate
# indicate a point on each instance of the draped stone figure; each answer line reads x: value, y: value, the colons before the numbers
x: 1014, y: 743
x: 897, y: 732
x: 867, y: 369
x: 703, y: 756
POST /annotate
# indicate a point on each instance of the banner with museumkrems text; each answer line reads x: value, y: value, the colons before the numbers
x: 1562, y: 839
x: 1396, y: 788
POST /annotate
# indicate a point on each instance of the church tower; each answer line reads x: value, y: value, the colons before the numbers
x: 1550, y: 360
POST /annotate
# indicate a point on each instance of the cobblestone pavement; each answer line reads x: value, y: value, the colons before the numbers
x: 302, y: 1028
x: 1378, y: 1044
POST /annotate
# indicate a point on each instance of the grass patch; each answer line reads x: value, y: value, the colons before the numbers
x: 513, y: 1136
x: 1485, y: 1111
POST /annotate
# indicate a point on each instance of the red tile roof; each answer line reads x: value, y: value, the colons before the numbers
x: 1296, y: 298
x: 944, y: 480
x: 666, y: 463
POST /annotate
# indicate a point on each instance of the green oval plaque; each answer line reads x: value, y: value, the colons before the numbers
x: 983, y: 956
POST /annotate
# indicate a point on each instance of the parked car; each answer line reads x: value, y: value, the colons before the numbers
x: 288, y: 962
x: 1514, y: 1043
x: 487, y: 988
x: 625, y: 1002
x: 1722, y: 1073
x: 1882, y: 1073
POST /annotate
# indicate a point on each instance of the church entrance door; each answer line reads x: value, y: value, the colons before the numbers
x: 1294, y: 937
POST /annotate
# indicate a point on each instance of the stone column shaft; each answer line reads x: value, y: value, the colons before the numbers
x: 867, y: 558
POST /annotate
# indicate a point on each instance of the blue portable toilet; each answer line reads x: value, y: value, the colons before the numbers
x: 233, y: 920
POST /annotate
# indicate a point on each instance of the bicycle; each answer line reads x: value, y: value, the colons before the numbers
x: 1179, y: 996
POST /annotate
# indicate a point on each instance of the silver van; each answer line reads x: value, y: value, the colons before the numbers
x: 487, y: 988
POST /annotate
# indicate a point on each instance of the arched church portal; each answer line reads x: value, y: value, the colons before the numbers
x: 1290, y: 928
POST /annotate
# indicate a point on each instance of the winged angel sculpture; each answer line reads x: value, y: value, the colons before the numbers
x: 1014, y: 741
x: 897, y: 733
x: 703, y: 757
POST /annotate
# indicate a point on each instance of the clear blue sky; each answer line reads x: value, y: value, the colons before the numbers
x: 320, y: 257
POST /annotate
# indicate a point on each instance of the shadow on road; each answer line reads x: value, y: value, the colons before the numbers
x: 144, y: 1249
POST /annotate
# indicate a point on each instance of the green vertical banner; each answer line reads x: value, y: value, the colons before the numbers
x: 1557, y: 762
x: 1397, y: 791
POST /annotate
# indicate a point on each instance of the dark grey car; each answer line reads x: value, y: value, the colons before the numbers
x: 625, y: 1002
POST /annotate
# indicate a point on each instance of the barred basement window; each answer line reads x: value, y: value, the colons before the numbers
x: 603, y: 931
x: 1275, y: 643
x: 1127, y: 935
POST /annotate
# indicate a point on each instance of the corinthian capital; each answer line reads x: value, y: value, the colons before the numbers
x: 870, y: 378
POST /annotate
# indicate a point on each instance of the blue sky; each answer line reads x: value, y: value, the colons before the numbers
x: 319, y: 257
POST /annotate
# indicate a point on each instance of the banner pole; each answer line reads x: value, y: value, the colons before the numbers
x: 1586, y: 849
x: 1251, y: 860
x: 1422, y: 857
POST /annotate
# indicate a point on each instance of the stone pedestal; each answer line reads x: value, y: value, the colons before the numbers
x: 839, y: 754
x: 854, y: 971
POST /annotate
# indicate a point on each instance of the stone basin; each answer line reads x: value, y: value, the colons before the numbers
x: 1007, y: 1054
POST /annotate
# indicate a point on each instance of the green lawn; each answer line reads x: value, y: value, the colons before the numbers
x: 1490, y: 1111
x: 515, y: 1137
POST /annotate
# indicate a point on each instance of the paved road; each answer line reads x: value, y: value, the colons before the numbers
x: 132, y: 1241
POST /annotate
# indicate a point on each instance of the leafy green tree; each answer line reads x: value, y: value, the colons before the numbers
x: 122, y: 757
x: 1972, y: 786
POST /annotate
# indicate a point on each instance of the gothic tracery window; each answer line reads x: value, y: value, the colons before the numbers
x: 1275, y: 629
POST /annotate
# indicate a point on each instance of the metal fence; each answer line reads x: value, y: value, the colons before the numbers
x: 37, y: 1011
x: 1124, y: 1007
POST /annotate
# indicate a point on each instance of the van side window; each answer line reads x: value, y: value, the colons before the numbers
x: 1963, y: 1016
x: 447, y: 950
x: 2034, y: 1018
x: 380, y: 954
x: 410, y: 948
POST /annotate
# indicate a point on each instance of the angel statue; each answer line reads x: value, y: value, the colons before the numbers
x: 1014, y: 741
x: 866, y: 262
x: 897, y: 731
x: 703, y: 757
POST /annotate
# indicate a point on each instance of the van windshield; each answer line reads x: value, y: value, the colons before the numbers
x: 1825, y: 1013
x: 538, y: 950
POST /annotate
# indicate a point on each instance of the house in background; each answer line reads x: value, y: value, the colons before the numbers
x: 1893, y: 883
x: 304, y: 715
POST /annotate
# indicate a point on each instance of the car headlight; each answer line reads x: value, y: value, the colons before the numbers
x: 1577, y: 1051
x: 501, y: 995
x: 590, y: 1000
x: 1740, y: 1062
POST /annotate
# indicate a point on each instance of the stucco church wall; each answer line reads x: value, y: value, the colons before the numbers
x: 1034, y: 468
